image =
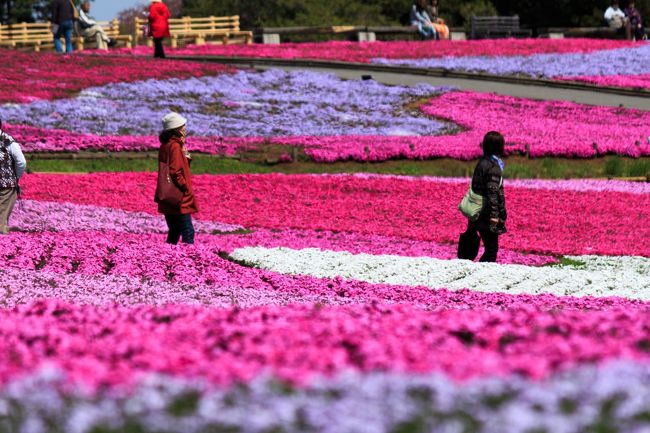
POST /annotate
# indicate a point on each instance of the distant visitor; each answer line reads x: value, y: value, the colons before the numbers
x: 158, y: 26
x: 438, y: 23
x: 64, y: 14
x: 422, y: 21
x: 89, y: 28
x: 637, y: 26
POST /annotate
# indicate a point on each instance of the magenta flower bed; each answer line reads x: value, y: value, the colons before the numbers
x: 115, y: 345
x: 641, y: 81
x: 537, y: 128
x: 28, y: 76
x: 386, y: 206
x: 94, y: 292
x: 360, y: 52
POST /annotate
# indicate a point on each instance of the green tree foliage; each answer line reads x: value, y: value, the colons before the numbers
x: 562, y: 13
x: 533, y: 13
x: 16, y: 11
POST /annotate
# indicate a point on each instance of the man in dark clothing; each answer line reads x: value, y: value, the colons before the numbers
x: 487, y: 181
x: 63, y: 16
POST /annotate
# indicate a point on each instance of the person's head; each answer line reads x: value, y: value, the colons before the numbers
x: 85, y: 6
x: 434, y: 3
x: 421, y: 4
x: 493, y: 144
x: 615, y: 4
x: 630, y: 4
x: 173, y: 126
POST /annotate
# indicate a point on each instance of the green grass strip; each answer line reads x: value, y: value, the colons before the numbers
x: 516, y: 167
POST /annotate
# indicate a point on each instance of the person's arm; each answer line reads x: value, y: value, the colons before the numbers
x: 19, y: 159
x: 85, y: 20
x: 415, y: 19
x: 493, y: 185
x: 503, y: 214
x: 176, y: 166
x: 609, y: 14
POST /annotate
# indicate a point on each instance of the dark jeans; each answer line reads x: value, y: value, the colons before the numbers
x: 158, y: 50
x: 491, y: 245
x: 64, y: 31
x: 180, y: 225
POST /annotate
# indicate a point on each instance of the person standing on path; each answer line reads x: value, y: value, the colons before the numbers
x: 487, y: 181
x: 158, y: 26
x: 174, y: 153
x: 12, y: 167
x: 63, y: 17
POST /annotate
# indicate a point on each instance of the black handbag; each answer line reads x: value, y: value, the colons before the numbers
x: 468, y: 245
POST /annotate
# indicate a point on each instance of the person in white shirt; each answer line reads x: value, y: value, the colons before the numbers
x: 88, y: 28
x: 12, y: 167
x: 615, y: 17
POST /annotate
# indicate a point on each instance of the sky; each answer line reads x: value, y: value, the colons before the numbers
x: 108, y: 9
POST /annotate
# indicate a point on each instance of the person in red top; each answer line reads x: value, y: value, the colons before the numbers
x: 158, y: 26
x: 172, y: 149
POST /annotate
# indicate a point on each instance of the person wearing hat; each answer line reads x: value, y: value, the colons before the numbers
x: 158, y: 26
x: 174, y: 153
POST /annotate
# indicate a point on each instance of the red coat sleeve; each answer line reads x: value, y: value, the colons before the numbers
x: 176, y: 171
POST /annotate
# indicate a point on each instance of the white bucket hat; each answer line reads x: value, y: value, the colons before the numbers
x: 173, y: 121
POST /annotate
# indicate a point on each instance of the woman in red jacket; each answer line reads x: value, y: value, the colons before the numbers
x: 173, y: 150
x: 158, y: 26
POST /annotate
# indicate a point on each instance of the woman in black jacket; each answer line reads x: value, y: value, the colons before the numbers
x: 487, y: 181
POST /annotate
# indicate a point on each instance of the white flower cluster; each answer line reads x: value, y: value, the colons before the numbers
x: 599, y: 276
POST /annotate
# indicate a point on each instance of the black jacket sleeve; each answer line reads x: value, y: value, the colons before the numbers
x: 494, y: 192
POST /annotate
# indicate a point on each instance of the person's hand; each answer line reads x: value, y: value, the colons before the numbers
x: 494, y: 221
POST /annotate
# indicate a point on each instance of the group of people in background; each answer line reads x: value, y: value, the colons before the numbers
x: 628, y: 20
x: 67, y: 20
x: 424, y: 16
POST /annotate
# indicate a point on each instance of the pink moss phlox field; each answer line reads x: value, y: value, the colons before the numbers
x: 24, y: 286
x: 360, y: 243
x: 146, y: 256
x: 28, y: 76
x: 362, y: 52
x: 115, y: 263
x: 538, y: 128
x: 115, y: 345
x: 36, y: 139
x: 641, y: 81
x: 542, y: 221
x: 547, y: 127
x: 33, y: 216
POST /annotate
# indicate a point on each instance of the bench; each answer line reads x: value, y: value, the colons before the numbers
x: 39, y: 35
x: 199, y: 30
x: 496, y: 27
x: 26, y: 34
x: 588, y: 32
x: 455, y: 33
x: 272, y: 35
